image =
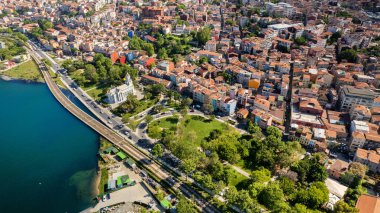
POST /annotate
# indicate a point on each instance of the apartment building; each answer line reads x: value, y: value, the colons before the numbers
x: 350, y: 97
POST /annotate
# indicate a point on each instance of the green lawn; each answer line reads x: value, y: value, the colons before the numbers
x: 201, y: 126
x: 27, y: 71
x: 166, y: 123
x: 243, y: 165
x: 56, y: 80
x: 191, y: 124
x: 103, y: 180
x: 236, y: 178
x: 95, y: 91
x: 144, y: 104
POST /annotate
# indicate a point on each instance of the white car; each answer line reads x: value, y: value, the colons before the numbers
x: 110, y: 122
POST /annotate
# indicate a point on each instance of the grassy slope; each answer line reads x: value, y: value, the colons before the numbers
x: 56, y: 80
x: 27, y: 71
x: 92, y: 90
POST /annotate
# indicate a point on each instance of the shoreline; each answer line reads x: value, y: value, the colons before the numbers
x: 23, y: 80
x: 97, y: 180
x: 8, y: 78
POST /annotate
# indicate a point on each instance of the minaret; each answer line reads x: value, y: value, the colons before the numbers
x: 128, y: 80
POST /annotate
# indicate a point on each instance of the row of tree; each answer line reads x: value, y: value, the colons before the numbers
x: 100, y: 71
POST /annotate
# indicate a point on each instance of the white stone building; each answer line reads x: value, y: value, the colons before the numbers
x: 120, y: 94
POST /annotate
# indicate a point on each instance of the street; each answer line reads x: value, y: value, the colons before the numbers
x: 110, y: 133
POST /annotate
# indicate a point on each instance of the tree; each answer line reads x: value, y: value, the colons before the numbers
x: 102, y: 72
x: 162, y: 53
x: 154, y: 131
x: 228, y: 151
x: 114, y: 75
x: 99, y: 58
x: 90, y: 74
x: 202, y: 60
x: 208, y: 108
x: 309, y: 170
x: 334, y: 37
x: 272, y: 196
x: 358, y: 169
x: 186, y: 102
x: 148, y: 47
x: 157, y: 109
x: 188, y: 166
x: 287, y: 185
x: 245, y: 202
x: 299, y: 208
x: 343, y: 207
x: 313, y: 197
x: 231, y: 194
x: 261, y: 175
x: 184, y: 206
x: 271, y: 130
x: 253, y: 128
x: 203, y: 35
x: 348, y: 54
x: 300, y: 40
x: 148, y: 119
x: 47, y: 62
x: 184, y: 111
x: 45, y: 24
x: 160, y: 195
x: 157, y: 150
x: 134, y: 43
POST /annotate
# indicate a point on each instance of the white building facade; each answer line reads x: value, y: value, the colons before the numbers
x: 120, y: 94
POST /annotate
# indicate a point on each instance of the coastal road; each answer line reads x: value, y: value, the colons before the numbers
x: 120, y: 141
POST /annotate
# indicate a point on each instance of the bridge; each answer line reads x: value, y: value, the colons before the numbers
x: 119, y: 141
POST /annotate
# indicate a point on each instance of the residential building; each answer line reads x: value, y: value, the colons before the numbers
x: 360, y: 113
x: 356, y: 141
x: 338, y: 168
x: 350, y: 97
x: 370, y: 158
x: 368, y: 204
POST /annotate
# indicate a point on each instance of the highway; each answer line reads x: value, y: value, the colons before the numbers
x: 114, y: 137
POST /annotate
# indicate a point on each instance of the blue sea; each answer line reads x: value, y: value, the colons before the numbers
x: 47, y: 156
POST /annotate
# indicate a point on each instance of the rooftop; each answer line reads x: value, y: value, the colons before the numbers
x: 365, y: 93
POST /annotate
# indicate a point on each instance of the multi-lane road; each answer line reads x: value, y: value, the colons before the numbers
x: 109, y: 133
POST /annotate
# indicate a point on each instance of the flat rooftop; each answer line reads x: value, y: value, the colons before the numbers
x: 365, y: 93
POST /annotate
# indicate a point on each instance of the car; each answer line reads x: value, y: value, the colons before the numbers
x: 218, y: 116
x: 101, y: 112
x: 104, y: 198
x: 126, y: 133
x: 130, y: 137
x: 110, y: 122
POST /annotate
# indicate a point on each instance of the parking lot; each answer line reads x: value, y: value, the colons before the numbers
x: 129, y: 194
